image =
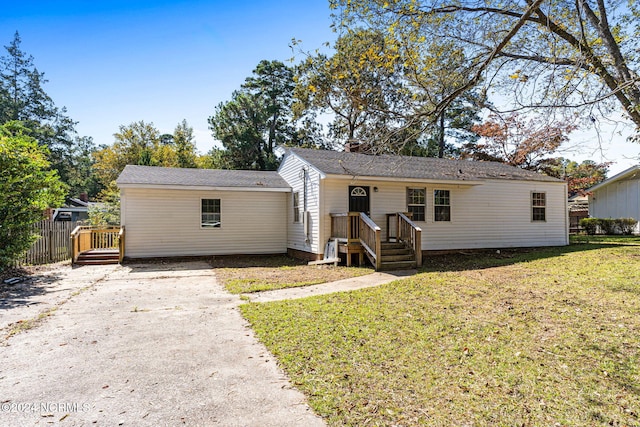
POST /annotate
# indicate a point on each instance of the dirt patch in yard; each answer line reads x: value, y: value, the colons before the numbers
x: 254, y: 274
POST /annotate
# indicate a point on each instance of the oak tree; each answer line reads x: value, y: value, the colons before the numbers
x: 579, y: 55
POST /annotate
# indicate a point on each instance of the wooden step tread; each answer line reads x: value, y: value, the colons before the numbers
x: 398, y: 265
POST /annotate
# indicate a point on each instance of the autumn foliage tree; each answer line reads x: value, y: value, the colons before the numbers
x: 356, y: 85
x: 528, y: 144
x: 579, y: 176
x: 577, y: 55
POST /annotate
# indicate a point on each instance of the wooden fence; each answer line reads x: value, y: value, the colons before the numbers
x: 54, y: 244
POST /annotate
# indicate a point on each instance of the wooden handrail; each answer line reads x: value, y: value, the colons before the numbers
x: 370, y: 239
x: 411, y: 235
x: 357, y: 227
x: 85, y: 238
x: 75, y: 243
x: 121, y: 245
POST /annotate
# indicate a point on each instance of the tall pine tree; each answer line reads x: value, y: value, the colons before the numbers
x: 22, y: 98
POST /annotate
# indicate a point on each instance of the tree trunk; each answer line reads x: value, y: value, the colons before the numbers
x: 441, y: 136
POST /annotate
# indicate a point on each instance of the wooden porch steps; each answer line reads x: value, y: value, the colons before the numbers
x: 396, y: 256
x: 99, y: 257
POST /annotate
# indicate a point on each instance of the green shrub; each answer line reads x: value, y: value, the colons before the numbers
x: 28, y: 187
x: 590, y: 225
x: 607, y: 225
x: 625, y: 225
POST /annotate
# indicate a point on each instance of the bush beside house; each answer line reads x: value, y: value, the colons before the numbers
x: 608, y: 225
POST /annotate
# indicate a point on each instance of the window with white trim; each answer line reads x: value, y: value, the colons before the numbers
x: 296, y: 206
x: 538, y: 206
x: 210, y: 213
x: 416, y: 198
x: 441, y: 205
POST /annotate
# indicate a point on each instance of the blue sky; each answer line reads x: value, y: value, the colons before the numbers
x: 116, y: 62
x: 112, y: 63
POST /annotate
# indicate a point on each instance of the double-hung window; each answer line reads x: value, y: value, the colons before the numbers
x: 416, y: 203
x: 441, y: 205
x: 538, y: 206
x: 210, y: 213
x: 296, y: 206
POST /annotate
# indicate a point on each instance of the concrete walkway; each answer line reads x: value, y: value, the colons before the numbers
x: 360, y: 282
x: 139, y: 345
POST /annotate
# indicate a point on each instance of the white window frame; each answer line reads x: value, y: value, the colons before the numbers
x: 297, y: 218
x: 214, y: 223
x: 440, y: 205
x: 535, y: 205
x: 411, y: 202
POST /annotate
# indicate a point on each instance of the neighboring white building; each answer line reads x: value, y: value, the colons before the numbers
x: 617, y: 197
x: 451, y: 205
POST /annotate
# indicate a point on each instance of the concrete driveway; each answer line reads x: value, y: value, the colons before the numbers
x: 147, y: 344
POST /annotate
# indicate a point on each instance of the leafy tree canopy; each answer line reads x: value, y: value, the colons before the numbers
x: 580, y: 55
x: 360, y: 89
x: 528, y: 144
x: 257, y: 119
x: 22, y: 98
x: 28, y: 188
x: 373, y: 94
x: 579, y: 176
x: 140, y: 143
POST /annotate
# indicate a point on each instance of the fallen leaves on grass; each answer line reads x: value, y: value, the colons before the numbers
x: 545, y: 337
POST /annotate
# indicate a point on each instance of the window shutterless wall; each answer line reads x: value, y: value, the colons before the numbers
x: 168, y: 223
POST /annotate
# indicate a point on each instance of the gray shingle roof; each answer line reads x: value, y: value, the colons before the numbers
x: 389, y: 166
x: 154, y: 175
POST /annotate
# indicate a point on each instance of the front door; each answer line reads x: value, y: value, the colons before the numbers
x: 359, y: 199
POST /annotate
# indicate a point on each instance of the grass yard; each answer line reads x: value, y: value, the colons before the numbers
x: 254, y: 274
x: 547, y: 337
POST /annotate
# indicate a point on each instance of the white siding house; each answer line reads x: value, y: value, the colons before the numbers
x: 490, y: 205
x: 170, y: 212
x: 316, y: 193
x: 617, y: 197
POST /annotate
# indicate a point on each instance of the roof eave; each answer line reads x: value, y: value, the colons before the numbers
x: 303, y: 160
x: 204, y: 187
x: 398, y: 179
x: 622, y: 175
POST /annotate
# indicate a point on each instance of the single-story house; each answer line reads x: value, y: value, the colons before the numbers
x: 617, y: 197
x: 360, y: 202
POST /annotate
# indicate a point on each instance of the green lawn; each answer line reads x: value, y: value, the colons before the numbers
x: 529, y: 338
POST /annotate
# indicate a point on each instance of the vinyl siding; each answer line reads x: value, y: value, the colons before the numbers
x: 495, y: 214
x: 617, y: 200
x: 167, y: 223
x: 291, y: 171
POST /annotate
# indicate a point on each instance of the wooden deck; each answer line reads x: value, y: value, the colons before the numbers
x: 98, y: 257
x: 95, y: 246
x: 357, y: 234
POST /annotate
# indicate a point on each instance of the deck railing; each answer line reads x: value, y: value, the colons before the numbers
x: 357, y: 227
x: 346, y: 226
x: 370, y: 239
x: 86, y: 238
x: 410, y: 234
